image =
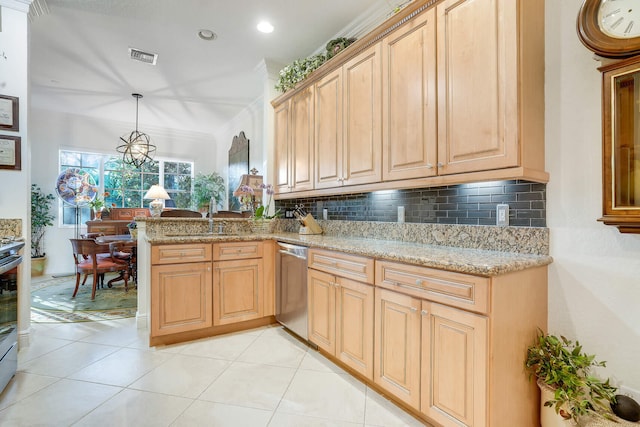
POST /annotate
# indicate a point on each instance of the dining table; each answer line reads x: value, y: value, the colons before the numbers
x: 123, y: 241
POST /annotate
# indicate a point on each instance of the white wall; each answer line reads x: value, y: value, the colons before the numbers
x: 251, y: 121
x: 594, y: 282
x: 50, y: 131
x: 15, y: 196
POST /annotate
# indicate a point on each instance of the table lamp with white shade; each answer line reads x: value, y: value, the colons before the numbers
x: 158, y: 194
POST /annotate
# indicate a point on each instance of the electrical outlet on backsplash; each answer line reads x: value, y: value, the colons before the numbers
x: 463, y: 204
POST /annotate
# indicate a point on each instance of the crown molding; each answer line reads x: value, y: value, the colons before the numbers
x: 19, y: 5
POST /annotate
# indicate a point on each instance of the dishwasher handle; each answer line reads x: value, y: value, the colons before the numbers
x: 283, y: 252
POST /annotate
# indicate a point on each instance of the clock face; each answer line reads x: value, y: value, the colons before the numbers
x: 619, y: 18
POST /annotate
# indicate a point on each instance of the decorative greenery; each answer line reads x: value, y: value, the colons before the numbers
x: 561, y: 365
x: 99, y: 202
x: 41, y: 217
x: 299, y: 69
x: 260, y: 210
x: 206, y: 186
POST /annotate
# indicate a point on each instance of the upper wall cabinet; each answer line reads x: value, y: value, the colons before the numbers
x: 490, y: 88
x: 409, y: 100
x: 294, y: 143
x: 348, y: 115
x: 442, y: 93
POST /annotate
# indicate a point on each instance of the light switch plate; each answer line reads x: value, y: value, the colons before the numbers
x: 502, y: 215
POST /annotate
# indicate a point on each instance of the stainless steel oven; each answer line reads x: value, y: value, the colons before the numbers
x: 10, y: 258
x: 291, y: 288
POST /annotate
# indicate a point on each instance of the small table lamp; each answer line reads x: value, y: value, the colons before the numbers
x: 158, y: 194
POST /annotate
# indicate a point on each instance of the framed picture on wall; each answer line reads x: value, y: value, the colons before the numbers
x: 9, y: 113
x: 10, y: 152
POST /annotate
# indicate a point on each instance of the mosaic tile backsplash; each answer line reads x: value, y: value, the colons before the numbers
x: 465, y: 204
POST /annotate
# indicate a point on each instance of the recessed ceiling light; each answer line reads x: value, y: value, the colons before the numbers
x: 265, y: 27
x: 207, y: 35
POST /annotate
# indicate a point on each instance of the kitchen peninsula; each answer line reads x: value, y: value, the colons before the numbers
x: 444, y: 329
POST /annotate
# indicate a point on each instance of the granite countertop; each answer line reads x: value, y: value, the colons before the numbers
x: 471, y: 261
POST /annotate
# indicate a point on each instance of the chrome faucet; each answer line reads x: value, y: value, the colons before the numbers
x: 213, y: 209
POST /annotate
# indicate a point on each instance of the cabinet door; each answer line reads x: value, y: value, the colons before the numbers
x: 362, y: 118
x: 180, y: 298
x: 301, y: 161
x: 409, y: 138
x: 354, y: 325
x: 237, y: 290
x: 328, y: 131
x: 321, y: 297
x: 397, y: 345
x: 454, y: 365
x: 477, y: 85
x: 282, y: 183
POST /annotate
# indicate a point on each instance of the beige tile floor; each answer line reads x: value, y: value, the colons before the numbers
x: 103, y: 374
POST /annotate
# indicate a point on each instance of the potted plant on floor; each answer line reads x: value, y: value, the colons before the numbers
x: 563, y: 373
x: 41, y: 217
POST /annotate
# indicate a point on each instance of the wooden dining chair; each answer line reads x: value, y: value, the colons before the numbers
x: 124, y: 252
x: 180, y: 213
x: 87, y: 261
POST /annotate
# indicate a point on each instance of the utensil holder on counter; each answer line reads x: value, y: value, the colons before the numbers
x: 310, y: 226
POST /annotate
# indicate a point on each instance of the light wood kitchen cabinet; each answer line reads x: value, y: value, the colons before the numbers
x: 238, y: 282
x: 426, y: 102
x: 409, y: 136
x: 328, y: 131
x: 362, y: 112
x: 238, y: 291
x: 340, y: 311
x: 397, y: 345
x: 490, y: 88
x: 181, y: 289
x: 348, y: 123
x: 450, y: 345
x: 454, y: 365
x: 294, y: 129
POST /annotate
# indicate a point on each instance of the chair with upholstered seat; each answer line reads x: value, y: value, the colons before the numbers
x: 125, y: 252
x: 87, y: 261
x: 180, y: 213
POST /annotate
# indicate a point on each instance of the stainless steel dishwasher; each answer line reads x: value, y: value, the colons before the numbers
x: 291, y: 288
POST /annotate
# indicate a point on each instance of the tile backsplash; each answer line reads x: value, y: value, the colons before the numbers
x: 468, y: 204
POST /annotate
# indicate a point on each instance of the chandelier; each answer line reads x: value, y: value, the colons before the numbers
x: 137, y: 148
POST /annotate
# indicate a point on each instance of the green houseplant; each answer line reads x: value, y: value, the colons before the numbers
x: 561, y: 365
x: 206, y: 186
x: 41, y: 217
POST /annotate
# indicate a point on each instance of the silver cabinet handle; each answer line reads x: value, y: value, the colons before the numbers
x: 418, y: 282
x: 413, y: 309
x: 429, y: 166
x: 440, y: 165
x: 424, y: 312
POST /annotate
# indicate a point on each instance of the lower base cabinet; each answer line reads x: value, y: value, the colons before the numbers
x: 341, y: 319
x: 181, y: 298
x: 397, y: 345
x: 238, y: 291
x: 454, y: 365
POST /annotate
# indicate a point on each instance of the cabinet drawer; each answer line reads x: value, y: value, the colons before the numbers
x: 350, y: 266
x: 172, y: 254
x: 237, y: 250
x: 454, y: 289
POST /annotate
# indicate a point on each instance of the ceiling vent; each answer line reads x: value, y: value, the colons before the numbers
x: 142, y: 56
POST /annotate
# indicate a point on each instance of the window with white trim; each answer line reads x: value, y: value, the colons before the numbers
x: 125, y: 185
